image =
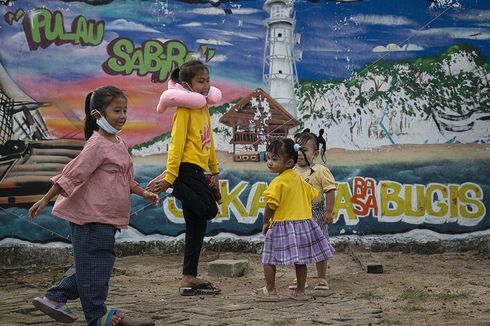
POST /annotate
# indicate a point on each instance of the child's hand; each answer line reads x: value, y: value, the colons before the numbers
x: 36, y: 208
x: 214, y: 181
x: 327, y: 218
x: 151, y: 197
x: 158, y: 184
x: 265, y: 227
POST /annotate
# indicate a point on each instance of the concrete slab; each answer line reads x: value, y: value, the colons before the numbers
x: 228, y: 268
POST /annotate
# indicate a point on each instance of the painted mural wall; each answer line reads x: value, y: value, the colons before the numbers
x: 400, y: 90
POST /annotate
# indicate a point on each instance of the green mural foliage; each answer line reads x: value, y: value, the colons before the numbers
x: 429, y: 87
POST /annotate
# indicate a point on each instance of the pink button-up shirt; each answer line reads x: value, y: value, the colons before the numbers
x: 96, y: 185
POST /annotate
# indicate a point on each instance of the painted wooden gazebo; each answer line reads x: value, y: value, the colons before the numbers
x: 257, y: 119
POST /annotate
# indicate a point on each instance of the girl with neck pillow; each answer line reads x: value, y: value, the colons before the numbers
x: 191, y: 153
x: 181, y: 94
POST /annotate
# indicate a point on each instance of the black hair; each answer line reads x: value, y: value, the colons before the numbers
x: 99, y: 99
x: 283, y: 147
x: 305, y: 137
x: 187, y: 71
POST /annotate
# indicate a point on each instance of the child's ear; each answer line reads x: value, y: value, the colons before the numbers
x: 290, y: 163
x: 96, y: 114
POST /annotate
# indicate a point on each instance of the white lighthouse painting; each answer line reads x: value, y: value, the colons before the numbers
x: 280, y: 74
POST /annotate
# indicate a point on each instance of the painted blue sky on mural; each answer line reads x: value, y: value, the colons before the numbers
x: 337, y: 38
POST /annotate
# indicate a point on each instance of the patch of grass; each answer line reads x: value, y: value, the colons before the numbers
x: 414, y: 295
x: 412, y: 308
x: 451, y: 315
x: 284, y: 322
x: 454, y: 273
x: 389, y: 255
x: 458, y: 283
x: 369, y: 295
x: 391, y: 322
x: 451, y: 295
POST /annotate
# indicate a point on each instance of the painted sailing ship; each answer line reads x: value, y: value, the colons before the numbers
x: 29, y: 157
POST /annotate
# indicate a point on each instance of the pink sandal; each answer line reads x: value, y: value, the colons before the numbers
x: 322, y: 285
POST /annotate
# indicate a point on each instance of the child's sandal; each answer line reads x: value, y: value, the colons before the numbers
x: 322, y: 285
x: 59, y: 311
x: 294, y: 285
x: 263, y: 295
x: 299, y: 297
x: 109, y: 314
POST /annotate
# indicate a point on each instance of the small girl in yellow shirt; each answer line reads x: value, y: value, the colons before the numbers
x: 320, y: 177
x: 291, y: 236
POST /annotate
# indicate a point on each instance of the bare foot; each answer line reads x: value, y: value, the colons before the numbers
x: 117, y: 318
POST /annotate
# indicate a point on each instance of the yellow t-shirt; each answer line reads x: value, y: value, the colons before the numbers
x: 290, y: 196
x: 322, y: 180
x: 192, y: 142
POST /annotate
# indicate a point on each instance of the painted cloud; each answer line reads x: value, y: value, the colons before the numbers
x: 392, y: 47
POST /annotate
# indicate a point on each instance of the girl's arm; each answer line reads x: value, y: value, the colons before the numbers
x: 75, y: 173
x: 268, y: 212
x: 39, y: 205
x: 213, y: 160
x: 147, y: 195
x: 176, y: 151
x: 330, y: 201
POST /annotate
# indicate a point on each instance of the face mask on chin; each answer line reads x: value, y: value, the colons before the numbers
x: 106, y: 126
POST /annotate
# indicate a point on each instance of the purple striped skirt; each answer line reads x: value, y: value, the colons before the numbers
x: 295, y: 242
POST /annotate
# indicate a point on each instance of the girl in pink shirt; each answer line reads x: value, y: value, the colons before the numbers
x: 94, y: 196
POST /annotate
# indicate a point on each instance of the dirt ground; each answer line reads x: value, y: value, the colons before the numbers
x: 438, y: 289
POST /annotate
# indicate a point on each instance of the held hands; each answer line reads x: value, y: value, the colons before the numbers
x: 36, y: 208
x: 151, y: 197
x: 214, y: 181
x: 158, y: 184
x: 327, y: 217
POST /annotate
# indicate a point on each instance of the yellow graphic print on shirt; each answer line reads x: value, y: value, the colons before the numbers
x: 205, y: 137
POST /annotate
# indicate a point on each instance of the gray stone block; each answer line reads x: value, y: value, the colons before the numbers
x: 228, y: 268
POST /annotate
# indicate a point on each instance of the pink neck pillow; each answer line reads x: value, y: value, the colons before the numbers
x: 178, y: 96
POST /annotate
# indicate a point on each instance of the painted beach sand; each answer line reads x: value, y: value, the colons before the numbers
x: 342, y: 157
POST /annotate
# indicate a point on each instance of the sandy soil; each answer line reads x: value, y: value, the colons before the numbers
x: 439, y: 289
x: 342, y: 157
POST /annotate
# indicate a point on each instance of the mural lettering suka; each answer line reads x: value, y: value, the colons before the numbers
x: 388, y: 201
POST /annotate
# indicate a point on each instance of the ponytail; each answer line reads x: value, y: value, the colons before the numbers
x: 322, y: 153
x: 90, y: 121
x: 174, y: 76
